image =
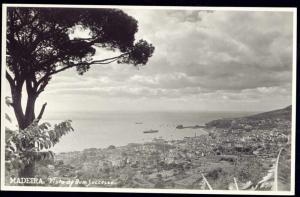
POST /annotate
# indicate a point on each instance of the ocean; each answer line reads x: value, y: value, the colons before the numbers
x: 102, y: 129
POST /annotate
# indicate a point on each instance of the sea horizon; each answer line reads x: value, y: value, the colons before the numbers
x: 100, y: 129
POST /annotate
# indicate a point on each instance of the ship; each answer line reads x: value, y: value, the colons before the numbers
x: 189, y: 127
x: 150, y: 131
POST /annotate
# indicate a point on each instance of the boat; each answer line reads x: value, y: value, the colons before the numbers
x: 179, y: 126
x: 138, y: 123
x: 150, y: 131
x: 189, y: 127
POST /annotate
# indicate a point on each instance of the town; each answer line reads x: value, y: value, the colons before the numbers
x: 245, y: 151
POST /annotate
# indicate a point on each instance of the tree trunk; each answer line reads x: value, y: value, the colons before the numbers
x: 29, y: 112
x: 24, y: 120
x: 29, y: 169
x: 16, y: 93
x: 19, y: 111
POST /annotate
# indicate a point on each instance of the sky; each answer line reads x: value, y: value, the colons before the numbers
x: 203, y: 60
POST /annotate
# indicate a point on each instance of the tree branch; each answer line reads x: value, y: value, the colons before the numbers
x: 62, y: 69
x: 10, y: 79
x: 41, y: 112
x: 46, y: 76
x: 85, y: 39
x: 42, y: 87
x: 105, y: 61
x: 29, y: 87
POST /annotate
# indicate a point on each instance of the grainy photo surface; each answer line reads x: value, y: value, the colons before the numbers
x: 140, y: 99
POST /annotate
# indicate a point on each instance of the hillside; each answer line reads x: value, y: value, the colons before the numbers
x: 271, y: 119
x: 227, y: 153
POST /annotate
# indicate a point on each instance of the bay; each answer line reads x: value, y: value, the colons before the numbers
x: 100, y: 129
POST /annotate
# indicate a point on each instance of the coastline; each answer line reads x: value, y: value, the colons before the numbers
x: 244, y: 152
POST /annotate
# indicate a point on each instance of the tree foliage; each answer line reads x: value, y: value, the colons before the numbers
x: 23, y: 147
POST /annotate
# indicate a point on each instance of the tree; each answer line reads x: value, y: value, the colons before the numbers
x: 39, y: 46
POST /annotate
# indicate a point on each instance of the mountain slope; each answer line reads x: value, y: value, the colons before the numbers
x: 269, y: 119
x: 284, y: 114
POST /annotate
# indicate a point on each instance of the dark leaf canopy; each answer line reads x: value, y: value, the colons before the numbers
x: 140, y: 53
x: 39, y: 42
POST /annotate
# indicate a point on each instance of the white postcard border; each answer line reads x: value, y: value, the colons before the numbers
x: 138, y: 190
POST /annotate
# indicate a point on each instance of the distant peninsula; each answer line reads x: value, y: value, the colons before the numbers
x: 266, y: 120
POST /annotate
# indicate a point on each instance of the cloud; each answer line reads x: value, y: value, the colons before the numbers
x: 221, y: 56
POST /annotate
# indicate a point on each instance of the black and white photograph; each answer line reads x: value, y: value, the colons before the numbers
x: 150, y: 99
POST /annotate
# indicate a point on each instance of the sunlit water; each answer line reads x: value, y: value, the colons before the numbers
x: 101, y: 129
